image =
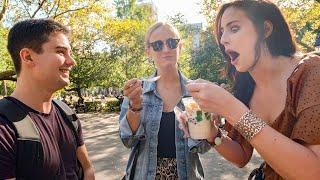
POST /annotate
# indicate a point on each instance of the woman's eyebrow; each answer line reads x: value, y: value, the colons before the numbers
x: 229, y: 23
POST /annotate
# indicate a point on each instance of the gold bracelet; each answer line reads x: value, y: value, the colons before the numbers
x: 249, y: 125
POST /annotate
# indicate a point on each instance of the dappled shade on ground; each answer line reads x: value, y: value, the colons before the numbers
x: 109, y: 156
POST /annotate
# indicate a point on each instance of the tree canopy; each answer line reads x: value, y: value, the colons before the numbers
x: 108, y: 48
x: 108, y: 37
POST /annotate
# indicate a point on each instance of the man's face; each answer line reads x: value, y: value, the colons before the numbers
x: 52, y: 66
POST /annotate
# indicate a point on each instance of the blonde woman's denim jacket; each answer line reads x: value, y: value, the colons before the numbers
x: 188, y: 162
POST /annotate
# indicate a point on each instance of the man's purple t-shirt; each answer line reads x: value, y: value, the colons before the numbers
x: 57, y: 139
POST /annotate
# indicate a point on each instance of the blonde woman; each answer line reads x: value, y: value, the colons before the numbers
x: 147, y: 122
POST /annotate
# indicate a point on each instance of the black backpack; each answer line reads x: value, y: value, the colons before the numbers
x: 29, y: 147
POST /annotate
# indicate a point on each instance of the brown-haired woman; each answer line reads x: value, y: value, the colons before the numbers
x: 275, y: 106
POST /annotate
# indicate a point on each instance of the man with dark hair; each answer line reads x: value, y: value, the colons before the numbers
x: 53, y: 147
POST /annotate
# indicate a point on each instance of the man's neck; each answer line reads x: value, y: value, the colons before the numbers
x: 35, y: 97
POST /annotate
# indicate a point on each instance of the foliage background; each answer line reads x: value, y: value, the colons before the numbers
x: 108, y: 38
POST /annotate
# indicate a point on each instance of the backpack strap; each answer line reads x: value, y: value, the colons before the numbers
x: 23, y: 124
x: 29, y: 144
x: 71, y: 119
x: 67, y: 114
x: 29, y: 148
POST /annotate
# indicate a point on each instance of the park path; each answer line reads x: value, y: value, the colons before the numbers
x: 109, y: 156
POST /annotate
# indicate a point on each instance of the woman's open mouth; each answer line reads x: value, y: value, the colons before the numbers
x: 233, y: 56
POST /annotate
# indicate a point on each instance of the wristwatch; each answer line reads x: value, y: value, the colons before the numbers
x: 136, y: 110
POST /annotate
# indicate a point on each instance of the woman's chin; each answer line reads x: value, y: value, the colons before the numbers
x: 169, y: 65
x: 241, y: 69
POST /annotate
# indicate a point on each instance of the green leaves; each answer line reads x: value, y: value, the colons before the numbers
x: 208, y: 116
x: 207, y: 61
x: 199, y: 116
x: 5, y: 60
x: 109, y: 50
x: 303, y: 17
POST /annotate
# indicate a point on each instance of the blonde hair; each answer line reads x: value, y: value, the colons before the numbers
x: 155, y: 27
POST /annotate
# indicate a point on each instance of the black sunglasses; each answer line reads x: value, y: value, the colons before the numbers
x: 158, y: 45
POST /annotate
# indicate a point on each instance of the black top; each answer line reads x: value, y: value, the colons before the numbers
x: 166, y: 136
x: 57, y: 141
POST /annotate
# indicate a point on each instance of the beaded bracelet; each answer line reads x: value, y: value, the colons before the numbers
x: 249, y: 125
x: 136, y: 110
x: 222, y: 133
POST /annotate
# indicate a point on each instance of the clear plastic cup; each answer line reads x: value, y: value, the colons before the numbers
x: 199, y: 122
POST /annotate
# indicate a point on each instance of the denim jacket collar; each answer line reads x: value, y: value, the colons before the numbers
x: 151, y: 86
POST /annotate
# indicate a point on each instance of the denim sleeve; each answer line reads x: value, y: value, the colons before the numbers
x: 127, y: 137
x: 198, y: 146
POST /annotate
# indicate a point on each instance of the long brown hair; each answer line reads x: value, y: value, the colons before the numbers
x: 279, y: 43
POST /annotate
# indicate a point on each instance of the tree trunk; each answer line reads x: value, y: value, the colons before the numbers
x: 4, y: 8
x: 8, y: 75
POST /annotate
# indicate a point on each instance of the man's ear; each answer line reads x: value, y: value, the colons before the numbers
x: 268, y: 28
x: 26, y: 56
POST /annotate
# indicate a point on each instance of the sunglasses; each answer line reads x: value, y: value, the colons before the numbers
x: 158, y: 45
